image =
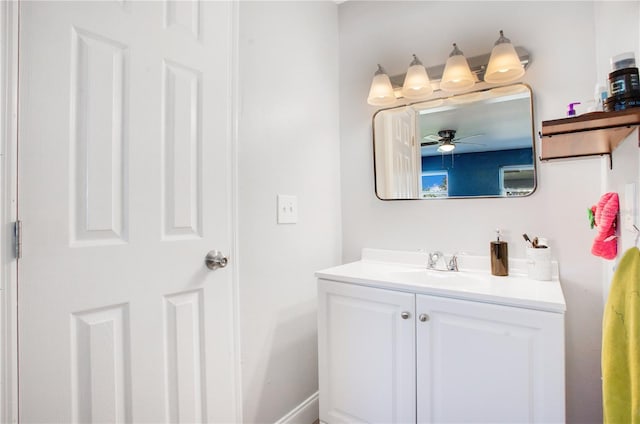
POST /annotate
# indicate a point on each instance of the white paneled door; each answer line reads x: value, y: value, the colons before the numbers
x: 401, y: 157
x: 123, y: 189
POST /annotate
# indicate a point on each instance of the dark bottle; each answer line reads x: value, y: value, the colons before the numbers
x: 499, y: 257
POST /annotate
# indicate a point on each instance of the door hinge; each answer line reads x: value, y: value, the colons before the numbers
x: 17, y: 239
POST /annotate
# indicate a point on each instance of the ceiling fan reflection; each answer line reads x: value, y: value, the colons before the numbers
x: 446, y: 140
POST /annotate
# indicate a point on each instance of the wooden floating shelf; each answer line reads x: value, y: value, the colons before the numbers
x: 591, y: 134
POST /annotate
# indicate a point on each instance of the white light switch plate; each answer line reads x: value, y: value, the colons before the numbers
x: 629, y: 207
x: 287, y: 209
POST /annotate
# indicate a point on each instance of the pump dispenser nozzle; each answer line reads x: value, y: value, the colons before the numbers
x: 571, y: 111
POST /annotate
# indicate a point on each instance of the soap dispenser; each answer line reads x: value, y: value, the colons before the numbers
x: 499, y: 256
x: 570, y: 109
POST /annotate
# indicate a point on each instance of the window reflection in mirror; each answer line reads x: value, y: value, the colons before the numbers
x: 479, y: 144
x: 435, y: 184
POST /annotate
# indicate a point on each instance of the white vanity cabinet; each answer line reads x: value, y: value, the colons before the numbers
x: 402, y: 356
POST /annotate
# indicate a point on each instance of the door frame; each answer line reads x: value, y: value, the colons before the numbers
x: 9, y: 346
x: 233, y: 97
x: 9, y: 30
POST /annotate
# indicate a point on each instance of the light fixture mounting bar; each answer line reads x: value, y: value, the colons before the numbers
x: 478, y: 65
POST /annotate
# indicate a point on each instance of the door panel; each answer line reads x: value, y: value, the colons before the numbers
x: 182, y: 146
x: 100, y: 382
x: 98, y: 213
x: 123, y: 189
x: 186, y: 398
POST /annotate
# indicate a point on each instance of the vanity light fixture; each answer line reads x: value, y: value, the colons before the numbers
x: 504, y: 63
x: 416, y: 84
x: 381, y: 91
x: 457, y: 76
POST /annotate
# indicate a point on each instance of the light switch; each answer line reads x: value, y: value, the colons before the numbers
x: 287, y: 209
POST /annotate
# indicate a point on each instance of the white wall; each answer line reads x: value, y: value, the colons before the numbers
x: 626, y: 159
x: 562, y: 40
x: 288, y: 144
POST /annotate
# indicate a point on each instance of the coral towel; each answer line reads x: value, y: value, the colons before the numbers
x: 606, y: 244
x: 621, y: 344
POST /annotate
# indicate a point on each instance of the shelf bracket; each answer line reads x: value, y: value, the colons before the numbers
x: 581, y: 156
x: 610, y: 161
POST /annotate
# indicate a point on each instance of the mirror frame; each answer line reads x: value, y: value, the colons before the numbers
x: 446, y: 96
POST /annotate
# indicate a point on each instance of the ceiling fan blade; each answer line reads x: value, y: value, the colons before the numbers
x: 469, y: 136
x: 429, y: 143
x: 469, y: 142
x: 432, y: 137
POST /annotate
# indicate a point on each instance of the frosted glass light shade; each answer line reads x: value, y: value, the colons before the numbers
x: 381, y: 91
x: 446, y: 147
x: 416, y: 82
x: 457, y: 76
x: 504, y: 63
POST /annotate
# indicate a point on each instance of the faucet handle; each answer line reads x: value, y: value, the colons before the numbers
x: 452, y: 265
x: 433, y: 258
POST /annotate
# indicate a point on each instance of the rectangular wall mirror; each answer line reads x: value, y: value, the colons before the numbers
x: 479, y: 144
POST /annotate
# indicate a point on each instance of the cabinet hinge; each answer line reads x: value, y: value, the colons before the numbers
x: 17, y: 239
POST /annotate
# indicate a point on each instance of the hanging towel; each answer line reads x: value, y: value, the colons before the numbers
x: 621, y: 344
x: 605, y: 244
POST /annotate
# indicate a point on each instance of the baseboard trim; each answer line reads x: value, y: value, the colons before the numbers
x: 305, y: 413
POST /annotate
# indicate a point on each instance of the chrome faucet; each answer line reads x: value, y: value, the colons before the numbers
x: 434, y: 257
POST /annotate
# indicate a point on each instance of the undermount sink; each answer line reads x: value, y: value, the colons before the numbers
x: 401, y: 270
x: 421, y: 276
x: 426, y: 275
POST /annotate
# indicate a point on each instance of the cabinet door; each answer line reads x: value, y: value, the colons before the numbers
x: 481, y: 363
x: 366, y: 354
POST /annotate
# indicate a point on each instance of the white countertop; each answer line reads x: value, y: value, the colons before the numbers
x: 407, y: 271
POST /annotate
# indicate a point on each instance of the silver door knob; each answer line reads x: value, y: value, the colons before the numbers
x: 405, y: 315
x: 215, y: 259
x: 423, y: 317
